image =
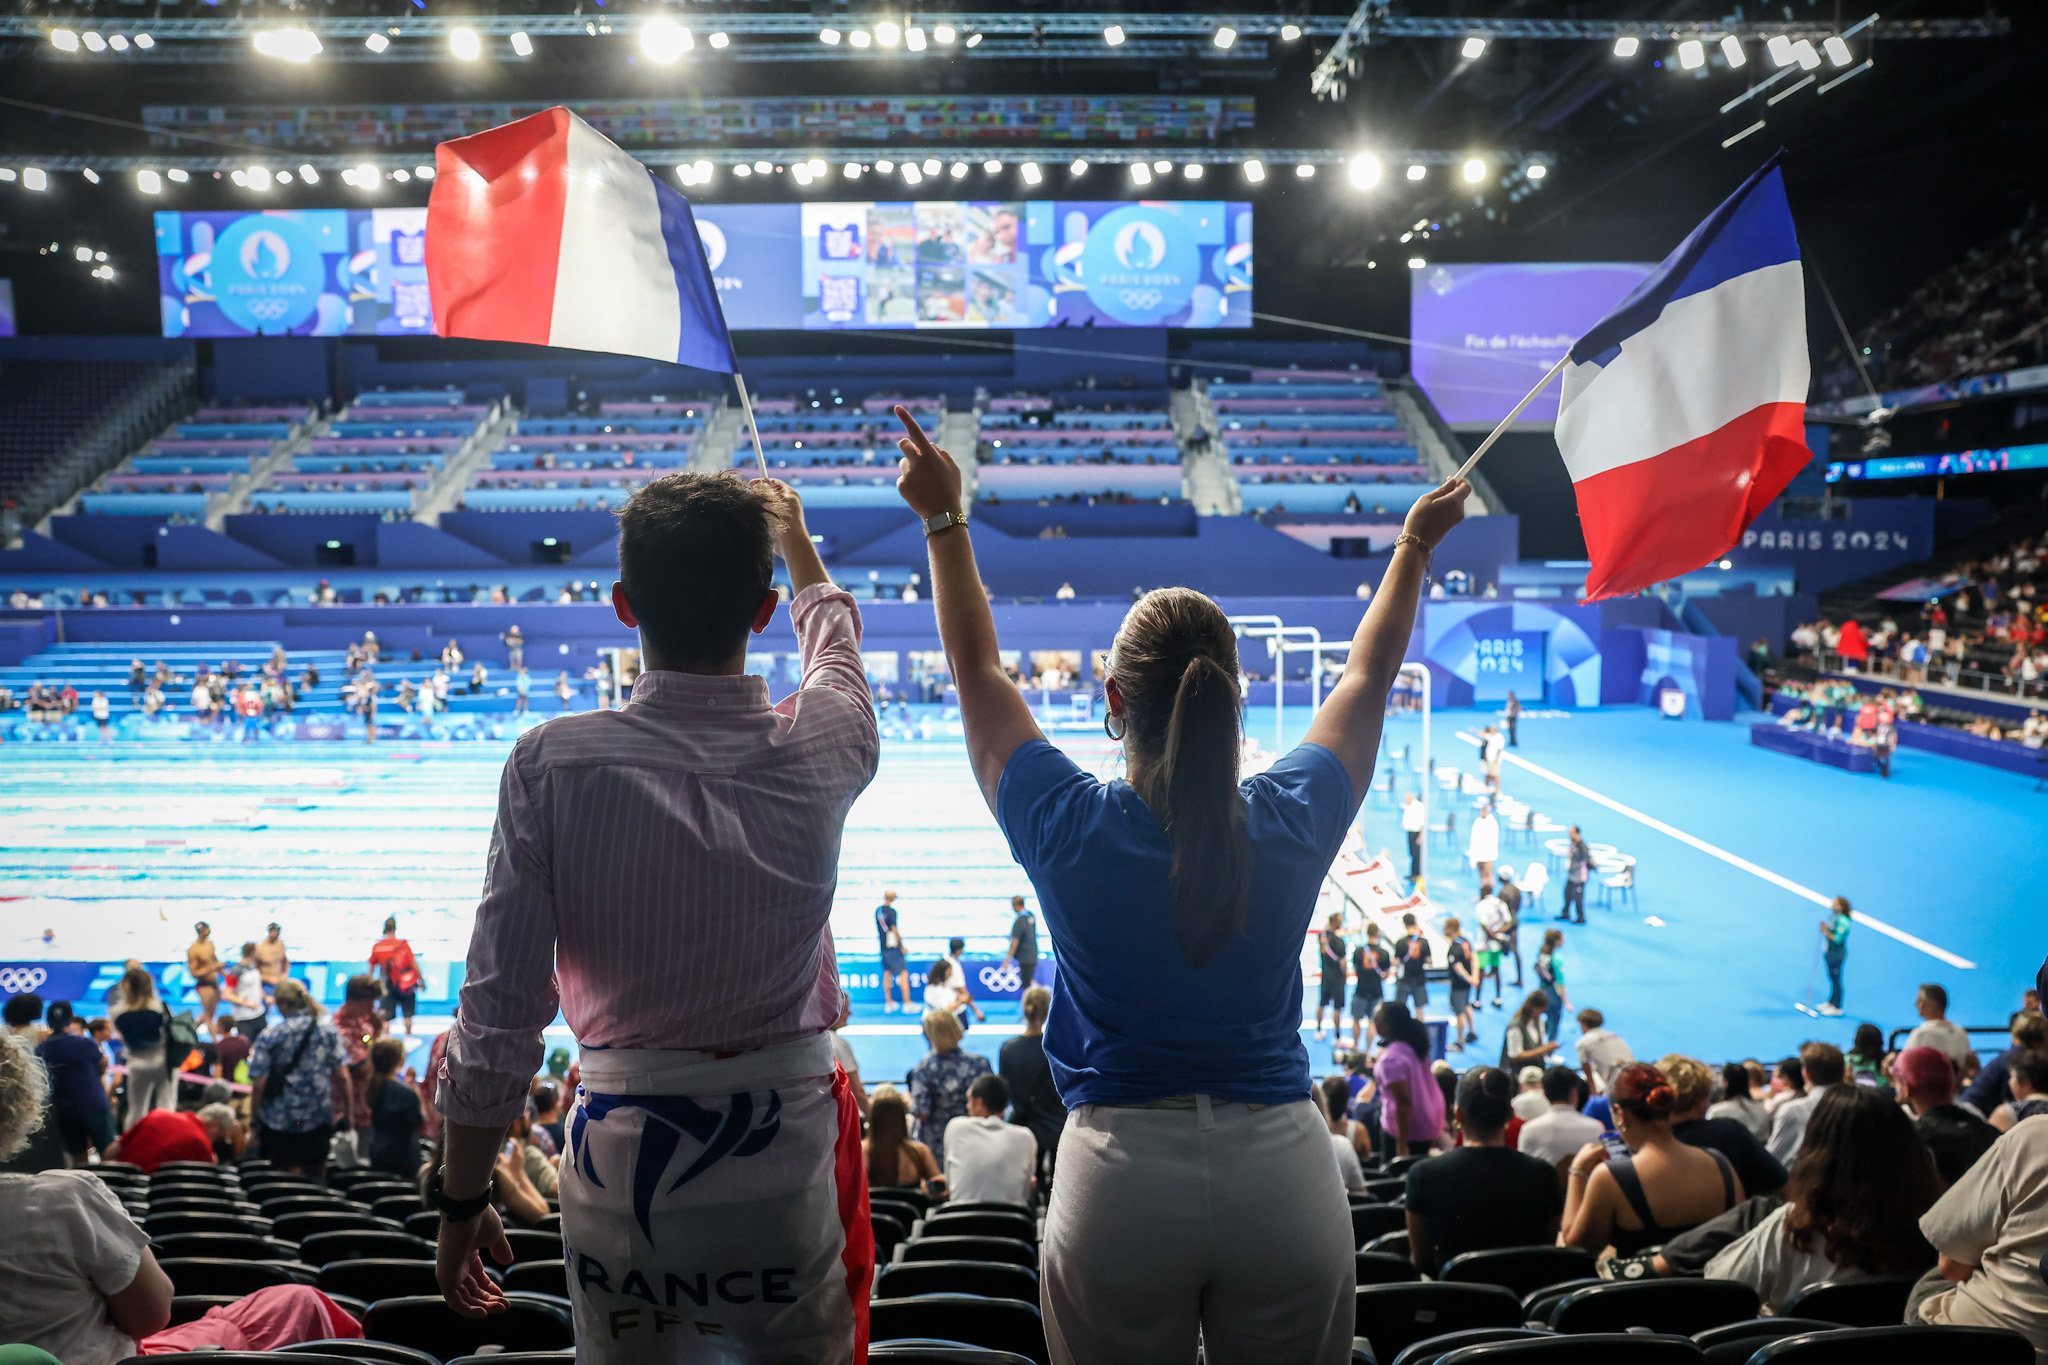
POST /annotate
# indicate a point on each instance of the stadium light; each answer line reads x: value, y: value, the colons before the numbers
x: 991, y: 167
x: 663, y: 40
x: 1289, y: 32
x: 885, y: 168
x: 284, y: 177
x: 1255, y: 170
x: 118, y: 43
x: 423, y: 172
x: 288, y: 44
x: 92, y: 177
x: 913, y: 38
x: 1192, y: 171
x: 464, y: 44
x: 851, y: 170
x: 149, y: 182
x: 1805, y: 54
x: 7, y: 176
x: 93, y: 42
x: 64, y: 40
x: 931, y: 165
x: 1627, y: 46
x: 1416, y: 263
x: 829, y: 37
x: 1141, y: 174
x: 83, y: 253
x: 1780, y: 48
x: 1225, y: 37
x: 1029, y: 170
x: 259, y: 178
x: 376, y: 42
x: 1837, y: 50
x: 1366, y: 170
x: 1162, y: 167
x: 1304, y: 171
x: 860, y: 38
x: 801, y: 173
x: 522, y: 46
x: 367, y: 177
x: 911, y: 174
x: 312, y: 177
x: 703, y: 170
x: 720, y: 41
x: 958, y: 170
x: 888, y: 33
x: 35, y: 178
x: 1473, y: 49
x: 1079, y: 167
x: 1732, y: 53
x: 1537, y: 170
x: 176, y: 176
x: 742, y: 172
x: 1114, y: 35
x: 144, y: 41
x: 402, y: 176
x: 1475, y: 171
x: 1692, y: 54
x: 1418, y: 171
x: 944, y: 34
x: 764, y: 168
x: 974, y: 39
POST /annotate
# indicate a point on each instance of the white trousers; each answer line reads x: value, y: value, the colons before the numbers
x: 716, y: 1210
x: 1225, y: 1219
x: 150, y: 1086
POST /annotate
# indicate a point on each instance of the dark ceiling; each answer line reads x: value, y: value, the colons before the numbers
x: 1899, y: 170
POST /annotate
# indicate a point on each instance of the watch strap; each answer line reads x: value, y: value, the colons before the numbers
x: 940, y: 521
x: 455, y: 1210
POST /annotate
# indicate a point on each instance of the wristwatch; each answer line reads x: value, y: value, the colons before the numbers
x: 939, y: 521
x: 455, y: 1210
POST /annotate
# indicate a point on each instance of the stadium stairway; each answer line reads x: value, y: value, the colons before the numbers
x: 727, y: 427
x: 236, y: 500
x: 960, y: 436
x: 456, y: 474
x: 1206, y: 477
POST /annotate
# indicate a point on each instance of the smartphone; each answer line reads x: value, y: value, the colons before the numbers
x: 1614, y: 1145
x: 510, y: 1151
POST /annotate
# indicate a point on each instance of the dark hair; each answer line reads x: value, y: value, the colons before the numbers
x: 992, y: 1090
x: 1590, y: 1019
x: 1336, y: 1096
x: 1861, y: 1181
x: 696, y: 555
x: 1822, y: 1063
x: 386, y: 1056
x: 1175, y: 665
x: 1561, y: 1083
x: 938, y: 971
x: 2032, y: 1067
x: 1531, y: 1007
x: 391, y: 923
x: 1938, y: 994
x: 546, y: 1096
x: 21, y: 1009
x: 1643, y: 1092
x: 362, y: 987
x: 59, y: 1016
x: 1735, y: 1081
x: 956, y: 946
x: 1486, y: 1097
x: 1869, y: 1041
x: 1788, y: 1071
x: 1393, y: 1022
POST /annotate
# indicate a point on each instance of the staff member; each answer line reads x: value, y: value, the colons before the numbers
x: 1413, y: 819
x: 1330, y: 953
x: 1834, y: 930
x: 890, y: 934
x: 1023, y: 949
x: 1370, y: 963
x: 1196, y: 1199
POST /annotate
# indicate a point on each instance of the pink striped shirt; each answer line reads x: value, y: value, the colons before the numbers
x: 664, y: 873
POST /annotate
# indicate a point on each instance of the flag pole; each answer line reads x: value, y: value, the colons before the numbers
x: 1505, y: 422
x: 746, y: 406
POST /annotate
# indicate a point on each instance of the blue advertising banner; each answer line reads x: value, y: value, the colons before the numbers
x: 1468, y: 645
x: 1511, y: 661
x: 921, y: 264
x: 85, y: 984
x: 987, y: 979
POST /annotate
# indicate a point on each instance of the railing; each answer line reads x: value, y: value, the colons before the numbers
x: 1893, y: 1039
x: 1933, y: 673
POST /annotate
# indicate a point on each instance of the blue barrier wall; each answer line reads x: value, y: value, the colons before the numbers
x: 1875, y: 534
x: 195, y: 547
x: 298, y: 539
x: 1742, y: 617
x: 256, y: 368
x: 1142, y: 519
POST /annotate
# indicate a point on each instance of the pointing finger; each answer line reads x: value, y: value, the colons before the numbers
x: 911, y: 426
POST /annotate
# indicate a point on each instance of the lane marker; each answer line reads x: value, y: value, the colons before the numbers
x: 1734, y: 860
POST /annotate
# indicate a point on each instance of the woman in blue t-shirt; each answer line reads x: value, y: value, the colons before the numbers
x: 1196, y: 1191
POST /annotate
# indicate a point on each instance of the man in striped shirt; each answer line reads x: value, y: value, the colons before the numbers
x: 665, y: 874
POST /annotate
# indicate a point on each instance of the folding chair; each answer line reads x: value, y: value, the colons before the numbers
x: 1879, y: 1301
x: 223, y: 1275
x: 997, y: 1324
x: 322, y: 1248
x: 378, y: 1277
x: 1524, y: 1270
x: 1606, y: 1348
x: 1681, y: 1307
x: 986, y: 1278
x: 1394, y: 1317
x: 1007, y: 1250
x: 425, y: 1322
x: 1861, y: 1345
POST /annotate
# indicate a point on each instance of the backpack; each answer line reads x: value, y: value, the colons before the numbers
x: 181, y: 1040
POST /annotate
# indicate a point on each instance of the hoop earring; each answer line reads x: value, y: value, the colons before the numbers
x: 1107, y: 729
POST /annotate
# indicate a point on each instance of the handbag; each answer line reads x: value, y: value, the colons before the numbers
x: 275, y: 1084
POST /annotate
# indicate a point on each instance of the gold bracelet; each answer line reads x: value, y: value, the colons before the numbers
x: 1428, y: 555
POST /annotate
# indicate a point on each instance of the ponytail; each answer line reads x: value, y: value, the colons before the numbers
x: 1175, y: 664
x: 1203, y: 811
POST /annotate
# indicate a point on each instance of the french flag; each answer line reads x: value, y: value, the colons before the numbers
x: 543, y: 231
x: 1683, y: 410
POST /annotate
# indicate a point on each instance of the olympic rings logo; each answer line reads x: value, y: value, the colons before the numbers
x: 1140, y: 300
x: 15, y: 980
x: 1003, y: 978
x: 269, y: 310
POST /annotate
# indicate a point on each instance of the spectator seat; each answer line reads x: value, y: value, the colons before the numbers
x: 537, y: 1277
x: 946, y: 1223
x: 1879, y: 1301
x: 890, y: 1233
x: 1677, y: 1306
x: 1378, y: 1267
x: 369, y: 1352
x: 531, y: 1245
x: 1369, y: 1221
x: 1394, y: 1317
x: 378, y: 1277
x: 397, y: 1207
x: 942, y: 1353
x: 1430, y: 1350
x: 191, y: 1307
x: 163, y: 1224
x: 297, y: 1227
x: 224, y: 1275
x: 1862, y: 1345
x: 1391, y: 1244
x: 323, y: 1248
x: 1735, y: 1342
x: 1520, y: 1269
x: 243, y: 1246
x: 1007, y: 1250
x: 1603, y: 1348
x: 986, y: 1278
x: 426, y: 1323
x: 997, y: 1324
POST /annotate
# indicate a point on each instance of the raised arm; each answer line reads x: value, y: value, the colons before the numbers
x: 992, y: 711
x: 1349, y: 722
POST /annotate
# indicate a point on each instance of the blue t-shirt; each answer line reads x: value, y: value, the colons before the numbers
x: 73, y: 1061
x: 1132, y: 1020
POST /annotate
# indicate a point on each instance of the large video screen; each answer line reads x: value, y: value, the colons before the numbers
x: 1484, y: 334
x: 834, y: 266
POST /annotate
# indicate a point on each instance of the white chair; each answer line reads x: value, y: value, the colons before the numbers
x: 1621, y: 882
x: 1535, y: 878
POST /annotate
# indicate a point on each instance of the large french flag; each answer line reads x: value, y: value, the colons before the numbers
x: 543, y: 231
x: 1683, y: 409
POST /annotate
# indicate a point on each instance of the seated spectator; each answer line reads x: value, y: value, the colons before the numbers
x: 1957, y: 1137
x: 1759, y: 1171
x: 1936, y: 1031
x: 1556, y: 1135
x: 543, y: 1173
x: 1529, y: 1099
x: 1865, y: 1058
x: 1483, y: 1194
x: 1345, y: 1135
x: 1822, y: 1065
x: 894, y: 1158
x: 987, y: 1158
x: 1990, y: 1089
x: 1852, y: 1207
x: 1739, y: 1104
x: 77, y: 1277
x: 394, y: 1109
x: 1788, y: 1083
x: 1661, y: 1188
x: 171, y: 1135
x: 938, y: 1084
x: 2028, y: 1076
x: 1989, y: 1229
